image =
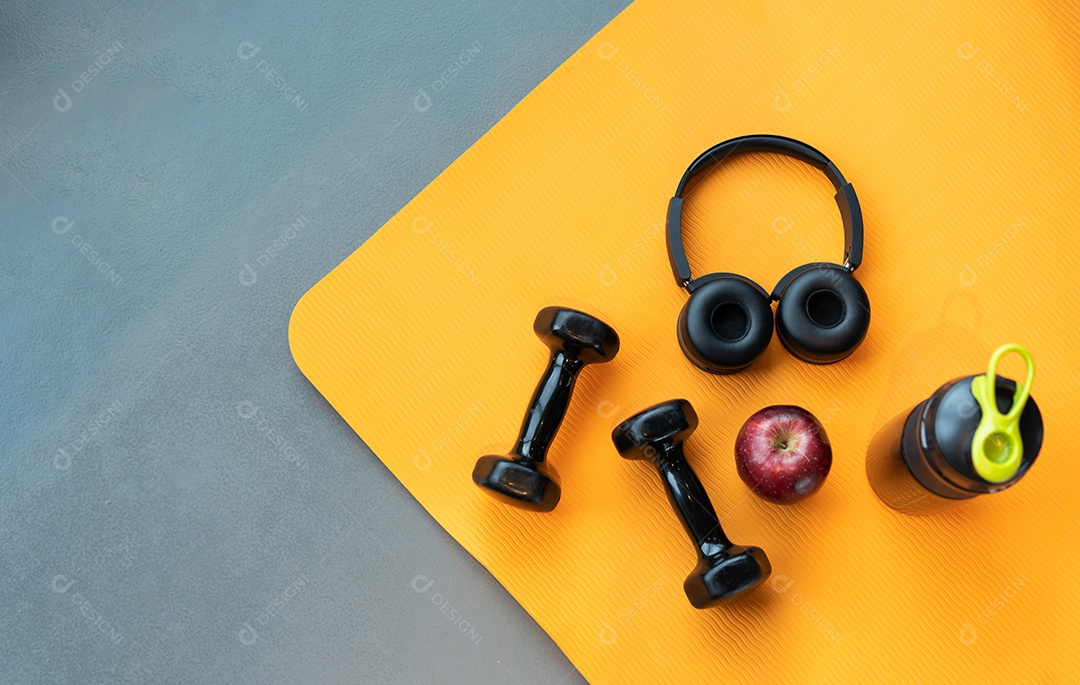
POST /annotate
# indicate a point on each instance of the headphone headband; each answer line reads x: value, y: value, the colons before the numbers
x: 789, y: 147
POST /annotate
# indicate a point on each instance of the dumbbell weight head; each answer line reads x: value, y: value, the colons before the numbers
x: 524, y: 485
x: 724, y: 570
x: 713, y: 582
x: 639, y: 436
x: 521, y: 478
x: 580, y: 335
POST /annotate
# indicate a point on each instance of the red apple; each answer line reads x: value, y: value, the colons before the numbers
x: 783, y: 454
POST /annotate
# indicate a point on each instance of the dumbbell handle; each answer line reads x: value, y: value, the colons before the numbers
x: 690, y: 501
x: 547, y: 407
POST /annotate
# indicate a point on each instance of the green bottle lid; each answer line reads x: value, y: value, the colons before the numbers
x: 996, y: 447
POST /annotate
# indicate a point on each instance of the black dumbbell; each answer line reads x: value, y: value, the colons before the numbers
x: 723, y: 570
x: 521, y: 478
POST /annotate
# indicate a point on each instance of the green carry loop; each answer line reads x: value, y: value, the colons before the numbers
x: 996, y: 447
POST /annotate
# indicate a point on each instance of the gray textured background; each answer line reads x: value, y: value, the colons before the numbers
x: 177, y: 503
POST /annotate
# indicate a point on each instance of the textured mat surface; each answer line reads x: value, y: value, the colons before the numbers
x: 957, y: 128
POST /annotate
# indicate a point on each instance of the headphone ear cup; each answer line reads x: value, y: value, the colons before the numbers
x: 823, y: 315
x: 725, y: 325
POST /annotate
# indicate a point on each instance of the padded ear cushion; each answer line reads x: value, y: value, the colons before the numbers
x: 823, y: 315
x: 725, y: 325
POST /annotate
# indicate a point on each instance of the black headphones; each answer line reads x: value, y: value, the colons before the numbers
x: 823, y: 313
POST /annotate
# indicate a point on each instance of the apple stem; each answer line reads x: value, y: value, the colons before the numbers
x: 784, y: 441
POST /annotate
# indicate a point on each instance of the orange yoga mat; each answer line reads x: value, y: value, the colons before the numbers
x: 957, y: 125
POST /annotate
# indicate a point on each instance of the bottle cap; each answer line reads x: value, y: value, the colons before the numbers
x: 996, y: 447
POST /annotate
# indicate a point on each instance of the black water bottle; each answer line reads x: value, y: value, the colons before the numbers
x: 976, y: 435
